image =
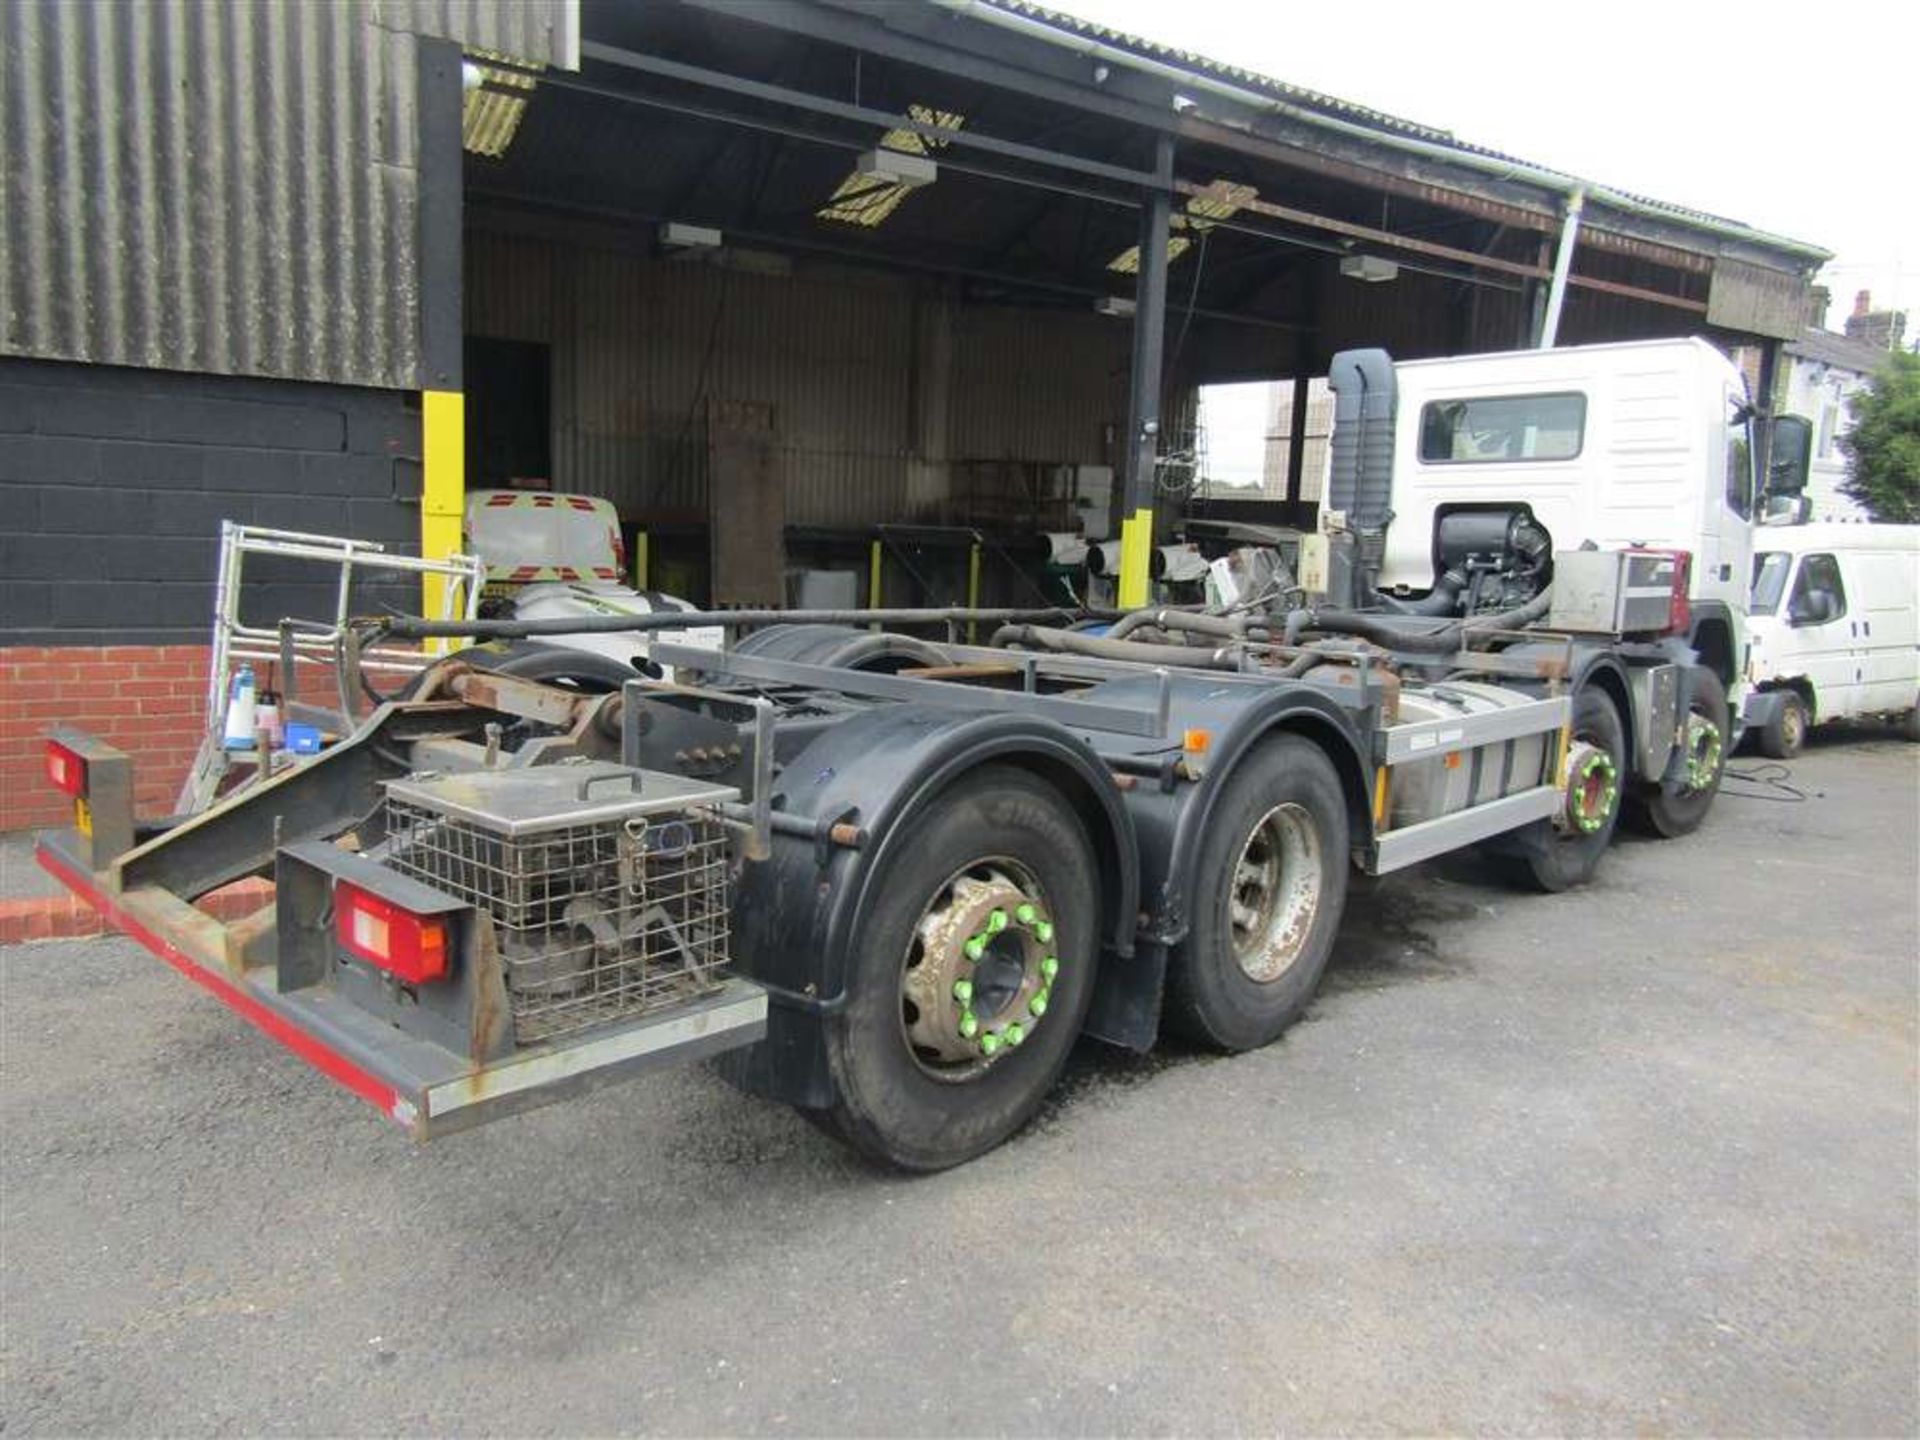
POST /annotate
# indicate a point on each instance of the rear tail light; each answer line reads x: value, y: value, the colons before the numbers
x: 412, y: 947
x: 1679, y: 609
x: 66, y: 771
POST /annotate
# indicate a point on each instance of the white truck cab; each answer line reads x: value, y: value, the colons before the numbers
x: 1643, y: 443
x: 1834, y: 629
x: 559, y: 557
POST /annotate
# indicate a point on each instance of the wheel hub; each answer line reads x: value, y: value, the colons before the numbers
x: 1276, y: 893
x: 1703, y: 752
x: 1592, y: 789
x: 980, y: 971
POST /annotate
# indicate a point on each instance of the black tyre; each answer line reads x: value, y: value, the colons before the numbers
x: 1554, y: 856
x: 1785, y: 732
x: 1271, y: 883
x: 969, y: 975
x: 1654, y: 812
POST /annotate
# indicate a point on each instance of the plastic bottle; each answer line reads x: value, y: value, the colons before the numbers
x: 237, y: 733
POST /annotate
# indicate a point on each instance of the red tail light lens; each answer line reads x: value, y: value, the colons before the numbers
x: 1679, y: 608
x: 413, y: 947
x: 66, y: 771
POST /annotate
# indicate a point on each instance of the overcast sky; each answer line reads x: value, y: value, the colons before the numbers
x: 1802, y: 120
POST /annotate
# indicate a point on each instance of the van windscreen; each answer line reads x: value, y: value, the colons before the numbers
x: 1770, y: 569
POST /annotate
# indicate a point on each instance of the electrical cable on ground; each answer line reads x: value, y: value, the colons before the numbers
x: 1770, y: 777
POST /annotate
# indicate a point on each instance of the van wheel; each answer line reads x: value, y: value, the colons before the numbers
x: 969, y: 974
x: 1912, y: 727
x: 1667, y: 817
x: 1558, y: 854
x: 1782, y: 737
x: 1272, y: 870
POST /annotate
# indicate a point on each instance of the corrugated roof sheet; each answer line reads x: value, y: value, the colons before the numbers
x: 1325, y: 104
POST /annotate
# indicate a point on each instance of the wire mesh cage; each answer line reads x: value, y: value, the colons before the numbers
x: 603, y: 917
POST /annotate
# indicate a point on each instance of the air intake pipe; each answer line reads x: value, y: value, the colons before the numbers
x: 1365, y: 405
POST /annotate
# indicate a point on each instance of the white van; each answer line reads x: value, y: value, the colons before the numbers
x: 1834, y: 626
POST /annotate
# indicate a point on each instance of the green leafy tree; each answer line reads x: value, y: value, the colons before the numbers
x: 1883, y: 447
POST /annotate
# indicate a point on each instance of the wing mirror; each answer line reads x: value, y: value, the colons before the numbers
x: 1791, y: 455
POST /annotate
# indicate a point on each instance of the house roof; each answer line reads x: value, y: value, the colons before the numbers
x: 1842, y: 352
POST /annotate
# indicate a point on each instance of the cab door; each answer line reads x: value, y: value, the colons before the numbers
x: 1824, y: 636
x: 1724, y: 571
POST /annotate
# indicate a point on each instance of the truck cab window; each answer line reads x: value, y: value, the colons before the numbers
x: 1739, y: 472
x: 1503, y: 427
x: 1818, y: 596
x: 1770, y: 569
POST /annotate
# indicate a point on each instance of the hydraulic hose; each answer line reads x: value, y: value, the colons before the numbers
x: 412, y: 627
x: 1168, y: 618
x: 1441, y: 600
x: 1039, y: 637
x: 1386, y: 631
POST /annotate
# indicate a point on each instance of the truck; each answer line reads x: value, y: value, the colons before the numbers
x: 1834, y: 630
x: 891, y: 878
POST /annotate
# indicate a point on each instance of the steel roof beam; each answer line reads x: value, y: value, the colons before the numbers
x: 859, y: 114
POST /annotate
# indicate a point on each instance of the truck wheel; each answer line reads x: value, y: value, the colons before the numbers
x: 1654, y: 812
x: 1555, y: 855
x: 969, y: 976
x: 1786, y: 731
x: 1271, y: 884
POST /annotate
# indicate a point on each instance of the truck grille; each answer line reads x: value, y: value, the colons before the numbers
x: 602, y: 920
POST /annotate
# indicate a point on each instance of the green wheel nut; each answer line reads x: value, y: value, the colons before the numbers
x: 989, y: 1043
x: 996, y: 922
x: 1043, y: 932
x: 1015, y: 1034
x: 1038, y: 1005
x: 969, y: 1026
x: 1050, y: 966
x: 976, y: 947
x: 1026, y: 914
x: 963, y: 990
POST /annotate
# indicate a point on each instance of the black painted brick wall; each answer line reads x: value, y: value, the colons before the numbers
x: 113, y: 484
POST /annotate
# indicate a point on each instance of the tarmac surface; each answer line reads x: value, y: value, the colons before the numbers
x: 1636, y: 1159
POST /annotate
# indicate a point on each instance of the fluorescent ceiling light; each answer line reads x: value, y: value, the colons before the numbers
x: 884, y: 176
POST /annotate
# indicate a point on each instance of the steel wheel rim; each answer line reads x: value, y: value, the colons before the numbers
x: 1275, y: 894
x: 973, y: 987
x: 1793, y: 726
x: 1704, y: 745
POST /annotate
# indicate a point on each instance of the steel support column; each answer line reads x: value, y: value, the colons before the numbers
x: 1764, y: 399
x: 1143, y: 396
x: 443, y: 462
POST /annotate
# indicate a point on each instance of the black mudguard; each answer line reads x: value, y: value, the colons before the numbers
x: 795, y: 914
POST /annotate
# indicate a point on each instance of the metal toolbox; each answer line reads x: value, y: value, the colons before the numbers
x: 1615, y: 592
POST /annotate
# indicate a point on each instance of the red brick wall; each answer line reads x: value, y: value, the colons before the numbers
x: 147, y: 700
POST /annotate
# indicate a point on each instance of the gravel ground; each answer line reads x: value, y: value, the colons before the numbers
x: 1640, y: 1158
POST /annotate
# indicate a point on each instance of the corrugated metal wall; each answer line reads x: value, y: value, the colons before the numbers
x: 639, y: 346
x: 222, y: 185
x: 541, y: 32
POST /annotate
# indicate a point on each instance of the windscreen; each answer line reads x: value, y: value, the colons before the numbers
x: 1770, y: 569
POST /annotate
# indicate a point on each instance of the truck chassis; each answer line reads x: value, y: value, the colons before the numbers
x: 887, y: 880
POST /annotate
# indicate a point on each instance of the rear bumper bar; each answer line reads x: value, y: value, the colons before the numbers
x: 424, y: 1087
